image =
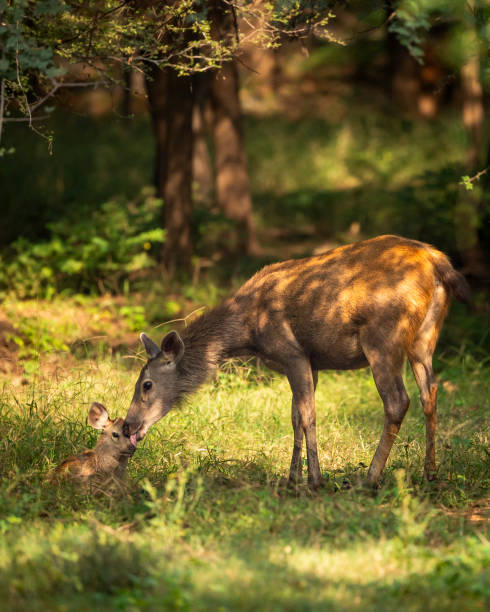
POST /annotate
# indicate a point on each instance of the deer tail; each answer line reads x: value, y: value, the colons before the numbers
x: 451, y: 278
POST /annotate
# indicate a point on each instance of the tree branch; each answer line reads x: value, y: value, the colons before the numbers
x: 467, y: 181
x: 478, y: 175
x: 28, y: 108
x: 24, y: 119
x: 57, y: 86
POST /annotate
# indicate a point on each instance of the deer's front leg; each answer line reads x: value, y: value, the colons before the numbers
x: 295, y: 472
x: 302, y: 383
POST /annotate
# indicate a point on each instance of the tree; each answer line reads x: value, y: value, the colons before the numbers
x: 170, y: 41
x: 171, y: 103
x: 219, y: 22
x: 232, y: 182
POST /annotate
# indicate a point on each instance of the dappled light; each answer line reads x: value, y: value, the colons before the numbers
x: 244, y: 306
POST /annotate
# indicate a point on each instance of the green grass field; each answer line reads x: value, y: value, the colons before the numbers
x: 206, y: 523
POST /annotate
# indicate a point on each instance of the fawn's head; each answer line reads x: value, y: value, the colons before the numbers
x: 157, y: 387
x: 112, y: 443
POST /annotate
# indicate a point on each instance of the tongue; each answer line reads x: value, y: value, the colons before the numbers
x: 133, y: 440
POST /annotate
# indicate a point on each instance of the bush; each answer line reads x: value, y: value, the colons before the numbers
x: 99, y: 250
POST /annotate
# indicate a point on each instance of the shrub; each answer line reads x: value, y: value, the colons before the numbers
x: 85, y: 252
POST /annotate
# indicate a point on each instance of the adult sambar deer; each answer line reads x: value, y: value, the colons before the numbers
x: 370, y: 303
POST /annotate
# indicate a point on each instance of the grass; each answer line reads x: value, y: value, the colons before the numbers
x: 205, y: 522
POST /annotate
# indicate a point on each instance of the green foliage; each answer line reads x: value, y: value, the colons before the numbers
x: 78, y: 326
x: 21, y: 51
x: 91, y: 569
x: 466, y: 181
x: 310, y: 178
x: 410, y: 23
x: 467, y: 23
x: 86, y: 252
x: 412, y: 514
x: 27, y: 57
x: 188, y: 36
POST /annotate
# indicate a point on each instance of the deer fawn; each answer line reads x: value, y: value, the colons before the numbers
x: 372, y: 303
x: 110, y: 456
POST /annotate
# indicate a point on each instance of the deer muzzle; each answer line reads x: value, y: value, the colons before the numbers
x: 133, y: 430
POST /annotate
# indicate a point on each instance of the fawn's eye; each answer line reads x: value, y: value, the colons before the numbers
x: 115, y: 435
x: 147, y: 385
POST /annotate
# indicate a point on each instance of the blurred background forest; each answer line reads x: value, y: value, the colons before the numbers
x: 163, y: 152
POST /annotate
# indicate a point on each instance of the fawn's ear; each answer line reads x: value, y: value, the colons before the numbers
x: 97, y: 416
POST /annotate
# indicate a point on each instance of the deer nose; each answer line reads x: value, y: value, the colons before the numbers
x: 130, y: 429
x: 126, y: 429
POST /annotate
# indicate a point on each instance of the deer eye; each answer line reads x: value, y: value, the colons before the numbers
x: 147, y: 385
x: 115, y: 435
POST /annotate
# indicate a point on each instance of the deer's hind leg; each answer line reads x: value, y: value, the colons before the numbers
x: 385, y: 356
x: 424, y: 375
x: 420, y: 357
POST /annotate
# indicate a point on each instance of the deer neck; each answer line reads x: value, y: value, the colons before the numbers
x: 209, y: 340
x: 105, y: 463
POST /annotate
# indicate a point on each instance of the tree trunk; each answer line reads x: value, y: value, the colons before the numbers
x: 202, y: 170
x: 467, y: 212
x: 473, y: 114
x: 232, y: 182
x: 127, y: 91
x: 171, y: 102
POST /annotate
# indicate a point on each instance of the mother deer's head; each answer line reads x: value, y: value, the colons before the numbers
x: 156, y: 389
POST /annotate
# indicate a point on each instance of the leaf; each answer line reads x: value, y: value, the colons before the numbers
x: 466, y: 181
x: 72, y: 266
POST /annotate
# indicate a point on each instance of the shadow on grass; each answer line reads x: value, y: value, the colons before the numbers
x: 100, y: 567
x: 453, y: 584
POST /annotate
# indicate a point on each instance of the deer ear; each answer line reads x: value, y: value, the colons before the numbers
x: 97, y: 416
x: 151, y: 348
x: 173, y: 347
